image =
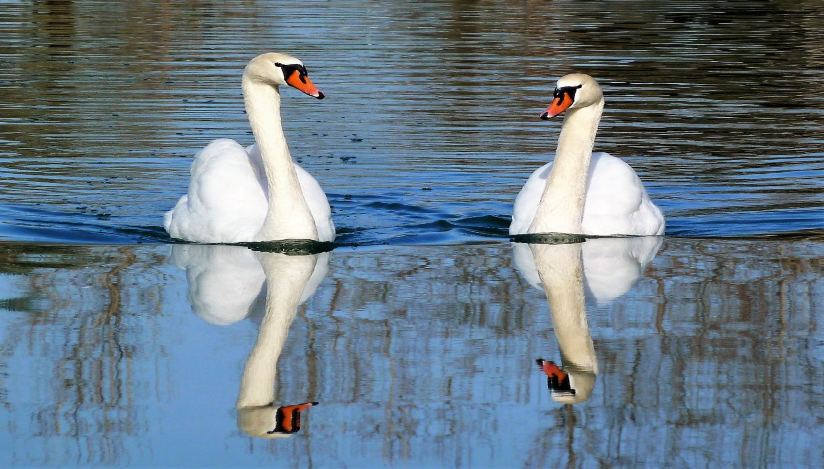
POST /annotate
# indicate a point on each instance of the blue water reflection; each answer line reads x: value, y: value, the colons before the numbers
x: 417, y: 355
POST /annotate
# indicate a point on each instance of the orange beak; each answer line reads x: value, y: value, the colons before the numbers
x: 303, y: 83
x: 288, y: 417
x: 551, y: 370
x: 559, y: 105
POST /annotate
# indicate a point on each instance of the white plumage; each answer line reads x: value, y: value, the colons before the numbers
x: 227, y: 197
x: 615, y: 202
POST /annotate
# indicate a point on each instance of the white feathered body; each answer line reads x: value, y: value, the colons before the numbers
x: 615, y: 201
x: 227, y: 197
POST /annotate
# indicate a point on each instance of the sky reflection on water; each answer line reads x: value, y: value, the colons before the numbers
x: 416, y: 355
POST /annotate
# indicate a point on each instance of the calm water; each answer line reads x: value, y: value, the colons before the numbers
x: 700, y: 348
x: 418, y: 356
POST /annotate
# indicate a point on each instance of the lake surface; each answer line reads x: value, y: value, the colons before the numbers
x: 418, y: 336
x: 417, y: 355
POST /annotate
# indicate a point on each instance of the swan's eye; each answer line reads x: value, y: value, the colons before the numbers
x: 289, y: 69
x: 563, y: 91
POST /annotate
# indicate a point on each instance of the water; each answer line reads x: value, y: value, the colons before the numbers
x: 430, y: 125
x: 419, y: 342
x: 417, y: 355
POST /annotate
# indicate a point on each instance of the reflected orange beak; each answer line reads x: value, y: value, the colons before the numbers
x: 303, y: 83
x: 551, y: 369
x: 288, y: 417
x: 559, y: 105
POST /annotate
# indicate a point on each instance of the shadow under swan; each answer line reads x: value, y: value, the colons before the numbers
x: 230, y: 283
x: 599, y: 269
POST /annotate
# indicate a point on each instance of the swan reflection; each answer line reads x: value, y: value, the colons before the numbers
x: 229, y: 283
x: 599, y: 269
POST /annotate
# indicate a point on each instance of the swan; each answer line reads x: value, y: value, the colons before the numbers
x: 256, y: 193
x: 583, y: 192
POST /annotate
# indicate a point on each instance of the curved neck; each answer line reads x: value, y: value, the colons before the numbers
x: 562, y: 204
x: 286, y: 277
x: 288, y: 216
x: 561, y: 270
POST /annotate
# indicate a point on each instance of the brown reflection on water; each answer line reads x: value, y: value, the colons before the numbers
x: 72, y: 315
x: 714, y: 103
x: 416, y: 354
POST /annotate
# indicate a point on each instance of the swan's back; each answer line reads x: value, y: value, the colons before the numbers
x: 227, y: 197
x: 225, y: 203
x: 616, y: 202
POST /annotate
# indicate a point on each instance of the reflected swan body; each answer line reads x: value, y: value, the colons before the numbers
x: 278, y: 283
x: 257, y: 193
x: 599, y: 268
x: 611, y: 265
x: 581, y: 192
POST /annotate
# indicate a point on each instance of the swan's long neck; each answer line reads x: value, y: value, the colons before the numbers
x: 286, y: 277
x: 288, y: 216
x: 561, y: 271
x: 561, y: 208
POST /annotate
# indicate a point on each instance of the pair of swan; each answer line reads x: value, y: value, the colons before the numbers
x: 259, y: 194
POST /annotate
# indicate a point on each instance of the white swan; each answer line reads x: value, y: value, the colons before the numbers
x: 258, y: 193
x: 581, y: 192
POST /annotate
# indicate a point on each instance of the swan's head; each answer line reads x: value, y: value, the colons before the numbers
x: 270, y: 421
x: 573, y: 91
x: 567, y: 387
x: 275, y: 69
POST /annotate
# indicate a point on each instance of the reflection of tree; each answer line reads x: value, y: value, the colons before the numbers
x: 418, y: 353
x: 79, y: 311
x: 682, y: 355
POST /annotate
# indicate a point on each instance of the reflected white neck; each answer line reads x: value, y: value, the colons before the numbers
x: 286, y: 277
x: 560, y: 268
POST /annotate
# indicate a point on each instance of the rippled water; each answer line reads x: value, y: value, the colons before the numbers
x: 430, y: 126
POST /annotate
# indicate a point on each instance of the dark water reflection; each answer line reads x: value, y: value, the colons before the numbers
x: 418, y: 356
x: 430, y: 126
